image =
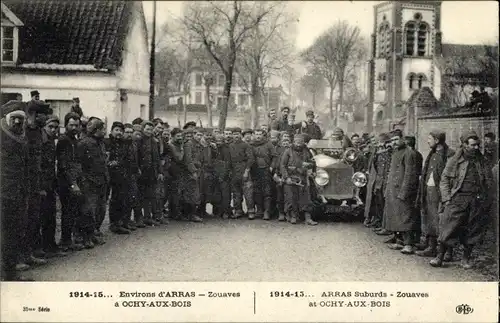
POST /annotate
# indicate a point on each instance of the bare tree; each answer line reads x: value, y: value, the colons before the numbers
x: 312, y: 87
x: 222, y: 28
x: 268, y: 50
x: 335, y: 54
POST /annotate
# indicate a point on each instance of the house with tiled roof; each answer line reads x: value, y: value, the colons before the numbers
x: 408, y: 55
x: 94, y: 50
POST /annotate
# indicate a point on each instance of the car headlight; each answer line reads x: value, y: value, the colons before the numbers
x: 359, y: 179
x: 322, y: 177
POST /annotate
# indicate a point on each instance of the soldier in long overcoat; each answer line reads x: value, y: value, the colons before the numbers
x: 467, y: 195
x: 13, y: 183
x: 184, y: 177
x: 429, y: 196
x: 401, y: 193
x: 378, y: 168
x: 295, y: 163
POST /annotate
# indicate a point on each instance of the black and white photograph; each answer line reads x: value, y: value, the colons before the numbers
x: 249, y: 141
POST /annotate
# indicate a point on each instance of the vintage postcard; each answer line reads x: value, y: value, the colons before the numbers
x: 249, y: 161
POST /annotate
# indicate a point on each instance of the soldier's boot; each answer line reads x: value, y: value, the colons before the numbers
x: 448, y: 256
x: 309, y: 220
x: 367, y: 222
x: 267, y: 209
x: 281, y: 216
x: 251, y: 214
x: 87, y: 241
x: 431, y: 250
x: 293, y: 217
x: 259, y: 212
x: 438, y: 260
x: 467, y: 262
x: 424, y: 244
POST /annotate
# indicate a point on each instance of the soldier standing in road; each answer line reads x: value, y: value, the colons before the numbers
x: 69, y: 172
x: 36, y: 115
x: 377, y: 182
x: 13, y: 170
x: 265, y: 159
x: 119, y: 159
x: 131, y: 137
x: 466, y: 193
x: 222, y: 186
x: 401, y: 194
x: 149, y: 165
x: 278, y: 179
x: 95, y: 180
x: 411, y: 142
x: 242, y: 160
x: 429, y: 197
x: 296, y: 162
x: 49, y: 185
x: 159, y: 190
x: 187, y: 198
x: 198, y: 154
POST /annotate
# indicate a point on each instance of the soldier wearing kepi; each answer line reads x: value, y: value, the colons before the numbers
x: 49, y: 185
x: 278, y: 179
x: 310, y: 127
x: 120, y: 173
x: 13, y: 184
x: 221, y: 156
x: 401, y: 194
x: 265, y: 159
x: 149, y: 165
x: 295, y: 164
x: 36, y: 115
x: 185, y: 178
x: 379, y: 170
x: 133, y: 201
x: 95, y: 180
x: 242, y: 160
x: 429, y: 196
x: 466, y: 193
x: 69, y: 172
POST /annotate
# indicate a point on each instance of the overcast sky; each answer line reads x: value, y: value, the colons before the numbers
x: 462, y: 22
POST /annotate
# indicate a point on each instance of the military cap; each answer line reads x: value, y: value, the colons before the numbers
x: 189, y: 124
x: 35, y: 92
x: 199, y: 129
x: 467, y: 135
x: 338, y: 130
x: 13, y: 105
x: 147, y: 123
x: 384, y: 137
x: 137, y: 121
x: 397, y: 132
x: 76, y: 100
x: 310, y: 113
x: 236, y: 129
x: 128, y: 125
x: 52, y: 118
x: 438, y: 134
x: 285, y: 108
x: 248, y: 130
x: 94, y: 124
x: 175, y: 131
x: 117, y: 124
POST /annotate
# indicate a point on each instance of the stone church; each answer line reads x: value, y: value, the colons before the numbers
x: 410, y: 65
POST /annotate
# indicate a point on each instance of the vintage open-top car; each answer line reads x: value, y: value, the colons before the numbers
x: 337, y: 185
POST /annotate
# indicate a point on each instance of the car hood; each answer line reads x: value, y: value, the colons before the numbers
x: 324, y: 161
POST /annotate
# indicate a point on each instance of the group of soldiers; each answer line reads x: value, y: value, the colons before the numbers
x: 146, y: 173
x: 429, y: 207
x: 143, y: 173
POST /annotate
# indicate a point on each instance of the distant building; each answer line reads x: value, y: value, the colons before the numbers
x: 408, y: 55
x: 94, y: 50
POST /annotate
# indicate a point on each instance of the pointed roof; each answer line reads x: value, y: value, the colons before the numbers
x: 77, y: 32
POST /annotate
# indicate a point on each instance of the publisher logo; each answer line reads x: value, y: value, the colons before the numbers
x: 464, y: 309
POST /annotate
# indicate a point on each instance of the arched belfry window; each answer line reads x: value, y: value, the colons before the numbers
x: 411, y: 79
x: 421, y: 79
x: 416, y: 37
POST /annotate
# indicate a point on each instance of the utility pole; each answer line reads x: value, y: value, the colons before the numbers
x: 152, y: 68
